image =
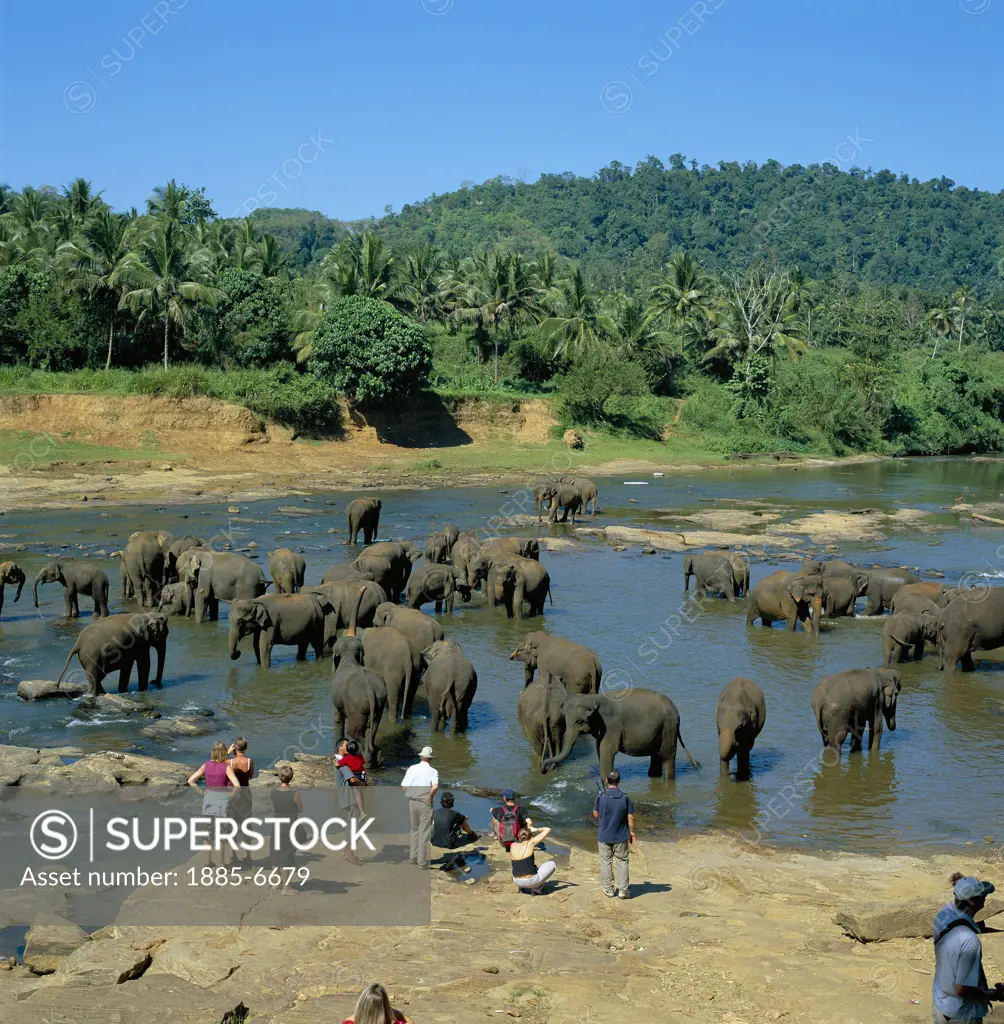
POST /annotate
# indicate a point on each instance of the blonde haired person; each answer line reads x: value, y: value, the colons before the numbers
x: 219, y: 776
x: 373, y: 1007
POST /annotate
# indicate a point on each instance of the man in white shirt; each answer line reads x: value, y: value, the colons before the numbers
x: 960, y: 991
x: 420, y: 783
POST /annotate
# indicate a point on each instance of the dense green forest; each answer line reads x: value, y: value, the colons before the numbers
x: 748, y: 308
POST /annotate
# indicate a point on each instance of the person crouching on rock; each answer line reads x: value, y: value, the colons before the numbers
x: 525, y: 874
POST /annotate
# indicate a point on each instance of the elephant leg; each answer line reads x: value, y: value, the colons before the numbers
x: 836, y: 740
x: 875, y: 730
x: 448, y: 604
x: 460, y: 720
x: 214, y: 608
x: 318, y: 646
x: 967, y: 662
x: 143, y: 667
x: 266, y: 642
x: 918, y: 651
x: 339, y: 722
x: 743, y: 763
x: 655, y: 767
x: 752, y: 614
x: 857, y: 731
x: 200, y: 606
x: 301, y: 651
x: 723, y: 767
x: 605, y: 750
x: 256, y: 644
x: 873, y: 605
x: 95, y: 676
x: 125, y: 670
x: 439, y: 607
x: 435, y: 706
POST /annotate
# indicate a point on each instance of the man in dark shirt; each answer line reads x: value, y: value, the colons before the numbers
x: 450, y: 830
x: 508, y: 804
x: 615, y: 813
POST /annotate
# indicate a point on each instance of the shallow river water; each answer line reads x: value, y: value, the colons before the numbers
x: 936, y: 780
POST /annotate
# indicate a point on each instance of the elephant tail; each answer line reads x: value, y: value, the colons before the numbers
x: 74, y: 650
x: 550, y: 596
x: 690, y: 757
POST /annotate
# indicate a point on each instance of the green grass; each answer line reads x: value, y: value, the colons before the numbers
x: 25, y: 450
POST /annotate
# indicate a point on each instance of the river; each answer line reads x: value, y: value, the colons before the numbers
x: 935, y: 781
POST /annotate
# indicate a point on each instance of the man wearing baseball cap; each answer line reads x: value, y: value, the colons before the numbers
x: 960, y: 990
x: 420, y: 783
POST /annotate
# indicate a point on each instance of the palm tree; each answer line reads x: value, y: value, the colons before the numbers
x: 421, y: 273
x: 30, y: 210
x: 80, y: 200
x: 757, y: 312
x: 940, y: 321
x: 374, y: 264
x: 961, y: 297
x: 168, y: 201
x: 90, y: 262
x: 681, y: 293
x: 272, y: 261
x: 581, y: 326
x: 165, y: 278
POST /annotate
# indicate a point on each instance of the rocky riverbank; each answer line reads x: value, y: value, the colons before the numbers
x: 718, y: 929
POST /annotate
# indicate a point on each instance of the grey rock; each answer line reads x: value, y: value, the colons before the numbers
x: 47, y: 945
x: 43, y: 689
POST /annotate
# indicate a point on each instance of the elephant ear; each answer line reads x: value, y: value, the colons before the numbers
x: 797, y: 588
x: 260, y: 614
x: 892, y: 685
x: 861, y: 582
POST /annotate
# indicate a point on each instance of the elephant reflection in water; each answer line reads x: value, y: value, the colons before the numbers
x: 858, y: 790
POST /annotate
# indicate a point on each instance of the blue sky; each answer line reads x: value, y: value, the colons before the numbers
x: 346, y: 107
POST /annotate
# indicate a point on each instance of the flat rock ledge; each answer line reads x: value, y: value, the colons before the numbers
x: 879, y: 922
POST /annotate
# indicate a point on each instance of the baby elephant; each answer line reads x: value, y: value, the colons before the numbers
x: 77, y: 577
x: 740, y: 715
x: 904, y: 630
x: 437, y: 549
x: 176, y: 599
x: 288, y: 570
x: 847, y: 702
x: 437, y: 583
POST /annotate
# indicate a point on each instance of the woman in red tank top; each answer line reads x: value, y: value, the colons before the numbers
x: 373, y: 1007
x: 219, y: 778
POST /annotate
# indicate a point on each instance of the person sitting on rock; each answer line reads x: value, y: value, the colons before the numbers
x: 450, y: 830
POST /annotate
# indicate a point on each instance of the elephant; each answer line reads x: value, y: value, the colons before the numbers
x: 974, y: 621
x: 290, y: 620
x: 358, y: 694
x: 419, y: 629
x: 711, y: 571
x: 740, y: 573
x: 437, y: 549
x: 904, y: 630
x: 220, y: 576
x: 587, y: 491
x: 11, y: 573
x: 540, y: 712
x: 341, y: 595
x: 834, y: 567
x: 144, y: 562
x: 518, y: 579
x: 119, y: 642
x: 176, y: 599
x: 452, y: 534
x: 543, y: 490
x: 642, y: 723
x: 77, y: 577
x: 387, y: 652
x: 568, y: 498
x: 739, y: 716
x: 287, y: 569
x: 345, y: 571
x: 847, y: 702
x: 390, y: 563
x: 939, y: 594
x: 882, y: 587
x: 450, y: 683
x: 174, y: 551
x: 437, y: 583
x: 788, y: 596
x: 576, y: 667
x: 363, y: 514
x: 497, y: 550
x: 466, y: 547
x: 841, y: 594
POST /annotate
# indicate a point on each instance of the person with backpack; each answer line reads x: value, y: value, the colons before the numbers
x: 509, y: 819
x: 960, y: 990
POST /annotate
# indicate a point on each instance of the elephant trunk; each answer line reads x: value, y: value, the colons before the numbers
x: 726, y: 744
x: 817, y: 613
x: 161, y: 648
x: 34, y: 588
x: 233, y: 639
x: 20, y: 587
x: 562, y: 755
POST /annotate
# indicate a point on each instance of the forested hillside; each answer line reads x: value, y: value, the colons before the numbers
x: 733, y: 308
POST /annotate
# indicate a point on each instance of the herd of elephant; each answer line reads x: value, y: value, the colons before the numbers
x: 383, y: 649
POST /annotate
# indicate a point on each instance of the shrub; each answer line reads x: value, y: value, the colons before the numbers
x: 370, y: 352
x: 610, y: 392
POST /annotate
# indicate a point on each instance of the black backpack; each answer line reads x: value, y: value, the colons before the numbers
x: 509, y: 824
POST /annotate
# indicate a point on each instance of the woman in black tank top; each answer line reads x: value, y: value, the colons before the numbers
x: 527, y: 876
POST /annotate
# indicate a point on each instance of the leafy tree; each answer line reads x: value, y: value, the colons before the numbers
x: 581, y: 327
x: 369, y: 351
x: 681, y: 295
